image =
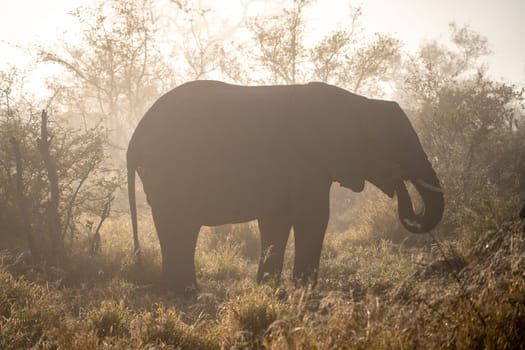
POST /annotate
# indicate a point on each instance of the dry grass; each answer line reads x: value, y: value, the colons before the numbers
x: 372, y: 294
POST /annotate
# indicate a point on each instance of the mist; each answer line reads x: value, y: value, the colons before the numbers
x: 276, y: 187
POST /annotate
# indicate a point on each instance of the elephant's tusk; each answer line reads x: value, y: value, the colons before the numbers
x: 429, y: 186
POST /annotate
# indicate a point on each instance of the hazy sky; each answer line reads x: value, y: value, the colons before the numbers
x: 25, y: 22
x: 501, y: 21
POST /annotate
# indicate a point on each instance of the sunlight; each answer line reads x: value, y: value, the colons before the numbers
x: 288, y: 174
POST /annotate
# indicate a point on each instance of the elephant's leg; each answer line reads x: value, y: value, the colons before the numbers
x: 310, y: 222
x: 178, y: 240
x: 274, y: 236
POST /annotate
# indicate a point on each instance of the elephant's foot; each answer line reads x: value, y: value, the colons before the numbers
x: 179, y: 288
x: 271, y: 279
x: 305, y: 277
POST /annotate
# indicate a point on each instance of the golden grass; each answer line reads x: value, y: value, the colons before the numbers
x: 372, y: 294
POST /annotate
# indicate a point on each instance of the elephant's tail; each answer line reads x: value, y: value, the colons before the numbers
x: 133, y: 207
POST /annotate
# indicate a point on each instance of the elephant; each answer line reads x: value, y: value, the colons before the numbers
x: 211, y: 153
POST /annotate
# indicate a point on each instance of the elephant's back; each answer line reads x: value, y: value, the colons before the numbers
x: 220, y: 138
x: 210, y: 119
x: 226, y: 128
x: 201, y: 106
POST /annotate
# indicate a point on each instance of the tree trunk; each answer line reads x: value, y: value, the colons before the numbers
x: 25, y: 219
x: 57, y: 253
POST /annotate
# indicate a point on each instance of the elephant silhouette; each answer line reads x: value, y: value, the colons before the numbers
x: 210, y: 153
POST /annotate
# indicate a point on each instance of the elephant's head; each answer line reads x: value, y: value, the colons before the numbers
x: 356, y: 139
x: 394, y: 155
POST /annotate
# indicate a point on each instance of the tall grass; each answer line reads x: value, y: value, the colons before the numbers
x: 372, y: 294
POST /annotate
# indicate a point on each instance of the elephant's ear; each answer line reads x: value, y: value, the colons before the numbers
x: 340, y: 152
x: 326, y: 130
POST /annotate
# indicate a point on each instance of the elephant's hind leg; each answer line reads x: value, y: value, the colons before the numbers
x: 178, y: 240
x: 274, y: 236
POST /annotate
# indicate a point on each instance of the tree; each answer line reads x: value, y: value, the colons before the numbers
x: 280, y: 42
x: 50, y: 176
x: 437, y: 64
x: 344, y: 57
x: 116, y: 70
x: 204, y: 35
x: 470, y: 126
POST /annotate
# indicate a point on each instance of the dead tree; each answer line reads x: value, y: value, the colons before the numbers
x: 55, y: 233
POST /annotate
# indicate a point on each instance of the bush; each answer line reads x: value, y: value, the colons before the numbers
x: 54, y: 180
x: 28, y: 313
x: 164, y: 327
x: 247, y: 317
x: 472, y: 128
x: 110, y: 320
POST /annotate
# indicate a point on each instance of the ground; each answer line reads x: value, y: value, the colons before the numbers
x: 372, y: 293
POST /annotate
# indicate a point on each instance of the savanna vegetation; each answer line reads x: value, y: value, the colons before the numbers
x: 69, y: 279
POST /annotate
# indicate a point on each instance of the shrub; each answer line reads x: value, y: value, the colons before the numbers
x: 247, y: 317
x: 164, y: 327
x: 225, y: 264
x: 53, y: 176
x: 245, y: 235
x: 110, y: 320
x: 28, y: 313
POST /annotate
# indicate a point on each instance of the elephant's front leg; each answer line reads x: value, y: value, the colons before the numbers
x: 274, y: 232
x: 178, y: 240
x: 310, y: 221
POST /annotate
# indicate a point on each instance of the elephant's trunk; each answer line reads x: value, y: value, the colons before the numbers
x: 433, y: 205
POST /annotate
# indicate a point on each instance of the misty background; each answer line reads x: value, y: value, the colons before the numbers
x: 97, y: 66
x: 27, y: 22
x: 77, y: 76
